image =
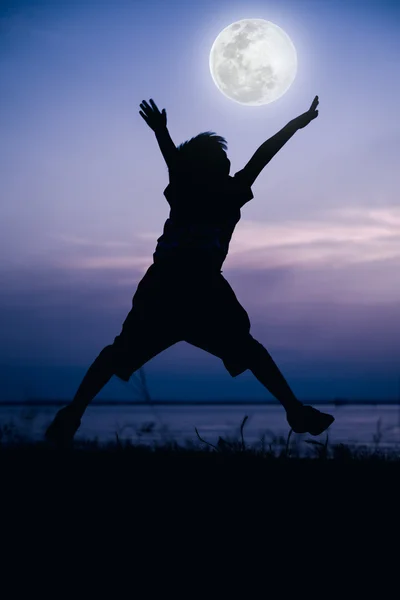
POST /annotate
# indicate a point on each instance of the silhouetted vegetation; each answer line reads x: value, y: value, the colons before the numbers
x: 278, y: 449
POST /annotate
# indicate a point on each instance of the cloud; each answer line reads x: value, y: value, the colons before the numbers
x: 75, y: 240
x: 85, y: 253
x: 111, y: 262
x: 345, y: 236
x: 343, y: 317
x: 349, y: 252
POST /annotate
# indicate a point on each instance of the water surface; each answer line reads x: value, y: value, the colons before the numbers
x: 354, y: 424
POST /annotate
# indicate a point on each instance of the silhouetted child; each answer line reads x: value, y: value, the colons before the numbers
x: 183, y: 296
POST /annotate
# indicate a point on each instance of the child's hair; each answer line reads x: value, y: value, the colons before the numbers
x: 203, y: 152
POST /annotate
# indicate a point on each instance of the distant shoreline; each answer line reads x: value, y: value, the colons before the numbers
x: 338, y: 402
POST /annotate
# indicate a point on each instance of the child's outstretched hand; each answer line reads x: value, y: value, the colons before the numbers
x: 155, y: 119
x: 308, y: 116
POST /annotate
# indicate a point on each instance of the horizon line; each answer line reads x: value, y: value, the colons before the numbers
x: 109, y: 402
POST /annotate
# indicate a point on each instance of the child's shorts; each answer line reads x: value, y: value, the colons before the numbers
x: 169, y: 307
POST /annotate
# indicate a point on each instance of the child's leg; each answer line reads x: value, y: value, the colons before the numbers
x: 97, y: 376
x: 222, y: 327
x: 116, y: 359
x: 68, y: 419
x: 263, y: 367
x: 149, y: 328
x: 247, y: 353
x: 301, y: 418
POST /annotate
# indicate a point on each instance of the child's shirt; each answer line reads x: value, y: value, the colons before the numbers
x: 203, y: 216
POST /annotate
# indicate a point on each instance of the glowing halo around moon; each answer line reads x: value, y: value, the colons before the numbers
x: 253, y: 62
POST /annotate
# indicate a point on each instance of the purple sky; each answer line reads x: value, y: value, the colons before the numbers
x: 315, y: 258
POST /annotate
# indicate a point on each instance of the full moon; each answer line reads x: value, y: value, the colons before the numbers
x: 253, y: 62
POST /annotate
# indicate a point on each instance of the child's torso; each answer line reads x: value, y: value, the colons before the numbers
x: 200, y: 225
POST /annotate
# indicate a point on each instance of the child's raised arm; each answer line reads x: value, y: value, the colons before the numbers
x: 157, y: 121
x: 269, y: 148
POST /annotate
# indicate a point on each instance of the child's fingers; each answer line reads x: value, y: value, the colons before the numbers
x: 315, y: 103
x: 154, y: 105
x: 145, y: 107
x: 143, y: 115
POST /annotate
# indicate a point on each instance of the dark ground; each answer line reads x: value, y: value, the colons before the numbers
x: 150, y: 480
x: 158, y: 515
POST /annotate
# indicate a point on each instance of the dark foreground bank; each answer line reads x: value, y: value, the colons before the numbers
x: 171, y: 474
x: 168, y: 514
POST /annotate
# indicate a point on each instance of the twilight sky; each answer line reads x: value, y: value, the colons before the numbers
x: 315, y: 259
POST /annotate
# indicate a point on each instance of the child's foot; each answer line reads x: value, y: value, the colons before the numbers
x: 307, y: 419
x: 64, y: 426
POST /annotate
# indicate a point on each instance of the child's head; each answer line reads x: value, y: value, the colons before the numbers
x: 205, y: 154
